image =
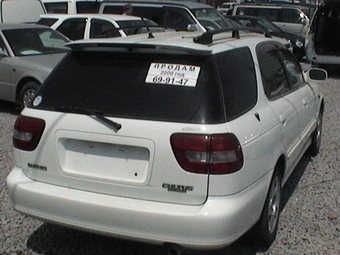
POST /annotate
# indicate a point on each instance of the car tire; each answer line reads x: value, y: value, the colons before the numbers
x: 27, y: 94
x: 265, y: 230
x: 314, y: 148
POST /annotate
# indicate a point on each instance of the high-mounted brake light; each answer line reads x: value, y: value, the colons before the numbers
x: 208, y: 154
x: 27, y: 132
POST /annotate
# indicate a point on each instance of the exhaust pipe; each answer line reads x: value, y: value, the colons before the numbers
x: 175, y: 250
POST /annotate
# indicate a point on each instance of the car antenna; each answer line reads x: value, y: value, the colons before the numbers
x: 147, y: 27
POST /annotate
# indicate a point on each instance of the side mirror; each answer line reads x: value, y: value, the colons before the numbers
x: 304, y: 22
x: 3, y: 53
x: 192, y: 27
x: 317, y: 74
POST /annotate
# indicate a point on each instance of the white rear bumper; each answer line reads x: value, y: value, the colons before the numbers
x: 216, y: 223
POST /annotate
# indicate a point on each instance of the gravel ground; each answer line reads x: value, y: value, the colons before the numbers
x: 309, y: 223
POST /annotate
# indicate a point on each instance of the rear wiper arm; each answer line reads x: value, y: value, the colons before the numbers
x: 98, y: 115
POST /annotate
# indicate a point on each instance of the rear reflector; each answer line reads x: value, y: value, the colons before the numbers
x: 208, y: 154
x: 27, y: 132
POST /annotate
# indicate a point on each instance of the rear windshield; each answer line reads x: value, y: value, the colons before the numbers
x: 161, y: 87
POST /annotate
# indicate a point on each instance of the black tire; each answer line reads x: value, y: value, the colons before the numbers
x: 266, y: 228
x: 27, y: 94
x: 314, y: 148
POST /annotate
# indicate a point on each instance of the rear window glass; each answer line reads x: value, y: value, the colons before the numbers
x: 238, y: 79
x: 130, y: 85
x: 88, y: 6
x: 56, y: 7
x: 47, y: 21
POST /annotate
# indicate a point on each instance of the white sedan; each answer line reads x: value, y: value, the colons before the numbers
x: 86, y: 26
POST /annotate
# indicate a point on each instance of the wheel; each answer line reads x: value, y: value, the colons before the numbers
x: 314, y: 148
x: 27, y: 94
x: 266, y: 228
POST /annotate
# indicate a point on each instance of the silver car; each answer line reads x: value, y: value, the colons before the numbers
x: 28, y: 53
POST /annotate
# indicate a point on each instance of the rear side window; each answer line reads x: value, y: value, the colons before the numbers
x: 73, y: 28
x: 271, y: 14
x: 247, y: 11
x: 103, y: 29
x: 292, y: 16
x: 273, y: 74
x: 47, y: 21
x: 87, y: 6
x: 281, y: 72
x: 122, y: 85
x: 238, y: 81
x: 57, y: 7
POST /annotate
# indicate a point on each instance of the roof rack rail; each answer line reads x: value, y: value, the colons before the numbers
x: 207, y: 37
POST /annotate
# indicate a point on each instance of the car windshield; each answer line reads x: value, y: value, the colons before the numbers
x: 35, y: 41
x: 211, y: 19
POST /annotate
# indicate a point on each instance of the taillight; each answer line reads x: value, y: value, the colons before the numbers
x: 208, y: 154
x: 27, y: 132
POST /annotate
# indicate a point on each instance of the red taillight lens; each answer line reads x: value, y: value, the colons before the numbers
x: 208, y: 154
x: 27, y: 132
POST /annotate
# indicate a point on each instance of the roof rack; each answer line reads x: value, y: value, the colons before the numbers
x: 207, y: 37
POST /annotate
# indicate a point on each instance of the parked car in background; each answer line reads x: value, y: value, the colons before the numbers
x: 20, y: 11
x: 262, y: 23
x: 291, y: 18
x: 183, y: 139
x: 323, y: 37
x: 226, y: 8
x: 86, y: 26
x: 28, y: 53
x: 179, y: 16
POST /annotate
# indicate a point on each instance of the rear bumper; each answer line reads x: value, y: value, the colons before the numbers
x: 214, y: 224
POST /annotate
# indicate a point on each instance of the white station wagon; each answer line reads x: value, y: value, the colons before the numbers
x: 184, y: 139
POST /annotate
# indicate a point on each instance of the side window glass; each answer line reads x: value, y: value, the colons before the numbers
x: 56, y: 7
x: 273, y: 74
x: 103, y: 29
x: 247, y: 11
x: 294, y: 72
x: 177, y: 18
x: 238, y: 79
x: 73, y: 28
x: 291, y: 16
x: 270, y: 14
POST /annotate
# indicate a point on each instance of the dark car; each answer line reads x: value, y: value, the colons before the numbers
x: 297, y: 41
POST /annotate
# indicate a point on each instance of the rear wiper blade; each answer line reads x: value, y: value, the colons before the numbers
x: 98, y: 115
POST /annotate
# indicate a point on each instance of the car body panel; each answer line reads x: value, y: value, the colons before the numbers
x: 15, y: 69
